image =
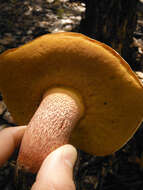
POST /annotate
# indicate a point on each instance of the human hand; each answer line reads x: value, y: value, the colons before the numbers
x: 56, y: 171
x: 10, y: 139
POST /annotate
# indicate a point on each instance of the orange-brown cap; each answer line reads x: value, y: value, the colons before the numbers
x: 112, y: 94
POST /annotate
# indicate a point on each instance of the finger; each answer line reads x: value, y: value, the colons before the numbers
x: 56, y: 171
x: 10, y: 138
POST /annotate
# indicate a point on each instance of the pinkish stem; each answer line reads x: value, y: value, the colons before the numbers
x: 49, y: 128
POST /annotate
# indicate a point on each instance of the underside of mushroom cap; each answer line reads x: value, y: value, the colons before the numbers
x: 112, y: 95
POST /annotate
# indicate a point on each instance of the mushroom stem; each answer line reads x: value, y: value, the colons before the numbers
x: 49, y: 128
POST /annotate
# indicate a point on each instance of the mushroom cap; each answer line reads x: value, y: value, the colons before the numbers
x: 111, y: 93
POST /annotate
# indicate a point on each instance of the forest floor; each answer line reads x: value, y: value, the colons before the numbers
x: 21, y: 22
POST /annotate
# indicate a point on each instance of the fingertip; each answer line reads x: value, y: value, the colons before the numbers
x: 18, y: 133
x: 64, y: 156
x: 10, y: 138
x: 57, y: 169
x: 69, y: 154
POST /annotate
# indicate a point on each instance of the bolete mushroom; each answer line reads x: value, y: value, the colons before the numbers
x: 90, y: 96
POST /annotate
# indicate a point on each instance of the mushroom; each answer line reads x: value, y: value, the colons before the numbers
x: 89, y: 96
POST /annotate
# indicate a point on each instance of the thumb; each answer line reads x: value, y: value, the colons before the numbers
x: 56, y: 171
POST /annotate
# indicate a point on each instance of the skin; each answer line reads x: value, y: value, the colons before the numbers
x: 56, y: 171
